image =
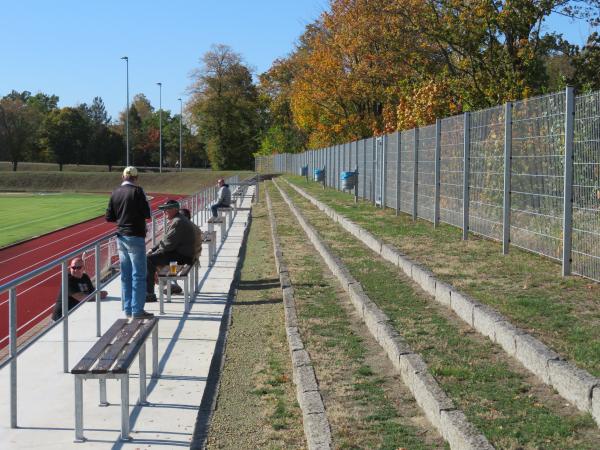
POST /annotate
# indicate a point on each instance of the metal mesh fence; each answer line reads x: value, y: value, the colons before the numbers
x: 426, y: 173
x: 537, y: 174
x: 451, y: 170
x: 391, y: 156
x: 486, y: 178
x: 586, y: 186
x: 407, y: 166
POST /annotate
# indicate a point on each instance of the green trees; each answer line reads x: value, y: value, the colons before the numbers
x: 65, y: 135
x: 225, y: 109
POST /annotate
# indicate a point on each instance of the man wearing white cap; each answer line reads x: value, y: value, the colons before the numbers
x: 129, y: 208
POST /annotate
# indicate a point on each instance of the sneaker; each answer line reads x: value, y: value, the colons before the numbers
x: 151, y: 298
x: 128, y: 315
x: 175, y: 289
x: 143, y: 315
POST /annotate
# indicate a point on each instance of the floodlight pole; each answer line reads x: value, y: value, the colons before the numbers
x: 160, y: 126
x: 180, y: 134
x: 127, y: 113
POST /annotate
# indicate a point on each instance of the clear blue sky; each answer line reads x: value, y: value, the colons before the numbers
x: 73, y: 48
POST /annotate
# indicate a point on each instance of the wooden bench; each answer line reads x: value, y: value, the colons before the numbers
x: 110, y: 358
x: 230, y: 214
x: 210, y: 238
x: 217, y: 220
x: 165, y: 278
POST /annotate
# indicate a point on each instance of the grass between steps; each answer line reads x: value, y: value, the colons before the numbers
x: 563, y: 312
x: 256, y: 406
x: 366, y: 404
x: 509, y: 405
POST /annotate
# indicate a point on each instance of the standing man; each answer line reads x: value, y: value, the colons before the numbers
x: 223, y: 197
x: 79, y: 288
x: 129, y: 208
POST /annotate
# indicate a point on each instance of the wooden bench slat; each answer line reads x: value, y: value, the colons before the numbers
x: 183, y: 272
x: 108, y: 359
x: 122, y: 365
x: 98, y: 348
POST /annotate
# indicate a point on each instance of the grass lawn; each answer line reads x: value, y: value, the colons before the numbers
x: 29, y: 215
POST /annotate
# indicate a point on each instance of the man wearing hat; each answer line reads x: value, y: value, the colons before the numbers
x: 176, y: 245
x: 129, y: 208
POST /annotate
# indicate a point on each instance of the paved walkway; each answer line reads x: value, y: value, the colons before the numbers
x: 186, y: 346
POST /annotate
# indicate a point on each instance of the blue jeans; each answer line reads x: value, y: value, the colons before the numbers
x: 214, y: 208
x: 132, y: 256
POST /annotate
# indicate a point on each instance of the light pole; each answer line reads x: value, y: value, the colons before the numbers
x: 180, y: 141
x: 127, y: 113
x: 160, y: 126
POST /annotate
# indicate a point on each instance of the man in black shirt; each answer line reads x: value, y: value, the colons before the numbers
x: 129, y: 208
x: 80, y: 287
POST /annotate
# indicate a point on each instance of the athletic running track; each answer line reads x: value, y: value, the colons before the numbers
x: 36, y: 298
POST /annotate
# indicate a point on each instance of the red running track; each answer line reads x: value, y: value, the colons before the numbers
x: 36, y: 298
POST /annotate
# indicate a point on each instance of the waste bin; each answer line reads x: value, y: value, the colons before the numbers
x: 348, y: 180
x: 304, y: 171
x: 319, y: 175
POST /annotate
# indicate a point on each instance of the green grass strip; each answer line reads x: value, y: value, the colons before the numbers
x: 563, y: 312
x: 368, y: 419
x: 257, y: 405
x: 502, y: 400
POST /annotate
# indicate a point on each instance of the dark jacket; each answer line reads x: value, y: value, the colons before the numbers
x: 180, y: 237
x: 129, y: 208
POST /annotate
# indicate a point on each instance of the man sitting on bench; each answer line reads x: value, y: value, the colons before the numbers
x: 223, y: 197
x: 177, y: 245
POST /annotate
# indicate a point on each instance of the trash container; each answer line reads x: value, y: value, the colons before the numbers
x: 304, y: 171
x: 319, y: 175
x: 348, y: 180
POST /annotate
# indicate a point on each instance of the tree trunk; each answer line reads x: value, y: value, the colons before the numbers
x: 14, y: 164
x: 60, y: 166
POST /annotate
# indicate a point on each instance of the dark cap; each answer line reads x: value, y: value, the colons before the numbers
x: 169, y: 204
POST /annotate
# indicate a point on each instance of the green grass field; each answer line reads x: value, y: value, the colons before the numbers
x: 28, y: 215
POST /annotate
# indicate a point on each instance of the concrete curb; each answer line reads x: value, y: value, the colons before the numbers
x: 437, y: 406
x: 314, y: 415
x: 575, y: 385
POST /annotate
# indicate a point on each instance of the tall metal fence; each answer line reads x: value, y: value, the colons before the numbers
x: 526, y: 173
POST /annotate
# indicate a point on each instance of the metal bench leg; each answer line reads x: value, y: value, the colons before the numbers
x: 102, y: 383
x: 161, y: 297
x: 125, y: 407
x: 142, y: 360
x: 223, y: 232
x: 155, y: 351
x: 168, y: 291
x: 186, y: 294
x: 79, y: 409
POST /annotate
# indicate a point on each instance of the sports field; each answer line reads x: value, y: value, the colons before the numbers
x: 25, y: 215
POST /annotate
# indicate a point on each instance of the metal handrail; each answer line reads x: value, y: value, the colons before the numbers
x: 207, y: 196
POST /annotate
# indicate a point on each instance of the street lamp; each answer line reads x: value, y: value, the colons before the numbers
x: 127, y: 114
x: 160, y: 126
x: 180, y: 141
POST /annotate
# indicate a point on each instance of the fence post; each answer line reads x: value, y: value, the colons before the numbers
x: 12, y: 324
x: 383, y: 169
x: 373, y: 169
x: 466, y: 170
x: 568, y: 181
x: 398, y: 152
x: 507, y: 170
x: 415, y: 173
x: 98, y: 290
x: 65, y: 312
x: 364, y: 169
x: 437, y: 163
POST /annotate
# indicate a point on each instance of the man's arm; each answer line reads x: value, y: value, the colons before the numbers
x: 172, y: 239
x: 145, y: 206
x: 110, y: 215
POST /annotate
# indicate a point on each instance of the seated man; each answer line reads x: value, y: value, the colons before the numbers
x: 79, y: 288
x: 223, y: 197
x: 177, y: 245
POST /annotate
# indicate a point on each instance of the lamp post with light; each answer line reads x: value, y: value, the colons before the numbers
x: 180, y: 134
x: 160, y: 126
x: 127, y: 113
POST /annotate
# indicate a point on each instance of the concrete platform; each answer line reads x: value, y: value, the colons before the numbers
x: 186, y: 346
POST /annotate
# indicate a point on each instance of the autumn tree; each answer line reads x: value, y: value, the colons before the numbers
x: 17, y: 122
x: 65, y: 134
x: 225, y: 109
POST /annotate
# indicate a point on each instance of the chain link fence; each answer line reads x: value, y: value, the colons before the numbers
x: 498, y: 172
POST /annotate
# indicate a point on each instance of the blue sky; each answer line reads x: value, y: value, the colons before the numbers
x: 73, y: 48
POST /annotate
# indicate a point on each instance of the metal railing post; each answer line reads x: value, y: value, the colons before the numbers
x: 153, y: 230
x: 438, y: 160
x: 466, y: 171
x: 98, y: 290
x: 398, y: 154
x: 12, y: 324
x: 65, y: 312
x: 568, y: 181
x: 415, y: 174
x: 506, y: 204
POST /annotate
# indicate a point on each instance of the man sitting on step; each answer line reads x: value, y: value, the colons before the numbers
x: 223, y: 197
x: 177, y: 244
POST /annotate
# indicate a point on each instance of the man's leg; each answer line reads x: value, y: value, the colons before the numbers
x: 138, y: 259
x: 214, y: 208
x: 126, y: 270
x: 153, y: 261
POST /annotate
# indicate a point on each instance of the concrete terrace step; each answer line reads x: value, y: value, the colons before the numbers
x: 186, y: 347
